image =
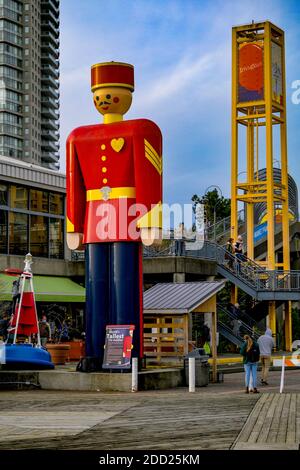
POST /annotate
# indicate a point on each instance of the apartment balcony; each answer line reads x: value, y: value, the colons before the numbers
x: 49, y: 146
x: 49, y: 113
x: 52, y: 4
x: 50, y: 135
x: 49, y: 80
x: 48, y: 69
x: 49, y: 59
x: 49, y: 26
x: 50, y: 91
x: 49, y: 124
x: 48, y: 14
x: 50, y: 157
x: 49, y: 36
x: 47, y: 46
x: 49, y: 102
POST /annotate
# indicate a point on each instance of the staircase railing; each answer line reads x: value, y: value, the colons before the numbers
x: 227, y: 332
x: 247, y: 329
x: 244, y: 269
x: 216, y: 231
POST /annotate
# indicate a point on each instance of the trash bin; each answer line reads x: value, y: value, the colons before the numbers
x: 201, y: 367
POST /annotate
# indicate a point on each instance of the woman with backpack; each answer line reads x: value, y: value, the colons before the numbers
x: 250, y: 353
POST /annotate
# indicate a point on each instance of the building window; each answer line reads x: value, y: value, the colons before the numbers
x: 18, y: 197
x: 18, y: 239
x: 39, y: 201
x: 38, y: 235
x: 3, y: 231
x: 29, y: 222
x: 3, y: 194
x: 56, y: 204
x: 56, y: 238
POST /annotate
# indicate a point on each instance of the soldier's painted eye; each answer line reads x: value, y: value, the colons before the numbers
x: 97, y: 98
x: 108, y: 97
x: 116, y: 100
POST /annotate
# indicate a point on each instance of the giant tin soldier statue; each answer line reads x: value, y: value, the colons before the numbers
x: 114, y: 196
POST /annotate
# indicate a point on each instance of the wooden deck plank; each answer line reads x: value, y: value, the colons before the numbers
x: 246, y: 431
x: 273, y: 424
x: 282, y: 432
x: 276, y: 420
x: 298, y: 418
x: 268, y: 422
x: 291, y: 425
x: 261, y: 419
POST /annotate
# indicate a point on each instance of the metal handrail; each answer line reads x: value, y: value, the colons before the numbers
x: 255, y: 334
x: 220, y: 228
x: 230, y: 333
x: 248, y: 271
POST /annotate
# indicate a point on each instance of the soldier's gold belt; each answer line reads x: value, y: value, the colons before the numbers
x: 111, y: 193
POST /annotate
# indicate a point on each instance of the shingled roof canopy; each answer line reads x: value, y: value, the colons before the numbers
x: 179, y: 297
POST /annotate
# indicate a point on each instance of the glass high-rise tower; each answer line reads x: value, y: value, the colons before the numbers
x: 29, y: 86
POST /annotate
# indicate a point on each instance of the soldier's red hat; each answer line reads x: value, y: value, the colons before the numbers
x: 112, y: 74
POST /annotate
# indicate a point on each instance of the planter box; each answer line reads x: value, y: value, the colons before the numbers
x: 76, y: 350
x: 59, y: 352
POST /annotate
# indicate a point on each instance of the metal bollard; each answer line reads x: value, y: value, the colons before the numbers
x: 192, y: 365
x: 134, y: 375
x: 282, y: 375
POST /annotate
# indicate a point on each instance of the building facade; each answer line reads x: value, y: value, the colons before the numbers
x: 29, y: 86
x: 32, y: 211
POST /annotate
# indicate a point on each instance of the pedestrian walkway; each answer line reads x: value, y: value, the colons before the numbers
x: 274, y: 423
x: 219, y: 416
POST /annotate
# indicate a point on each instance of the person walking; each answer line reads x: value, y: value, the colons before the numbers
x: 15, y: 293
x: 239, y: 250
x: 45, y: 332
x: 250, y: 353
x: 230, y: 250
x: 266, y: 344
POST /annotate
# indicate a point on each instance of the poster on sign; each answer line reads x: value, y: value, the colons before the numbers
x: 118, y: 346
x: 250, y: 72
x: 277, y: 89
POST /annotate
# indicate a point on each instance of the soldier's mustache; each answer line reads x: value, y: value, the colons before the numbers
x: 104, y: 102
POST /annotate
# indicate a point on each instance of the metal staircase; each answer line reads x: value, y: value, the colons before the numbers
x: 257, y: 281
x: 226, y: 331
x: 235, y: 337
x: 260, y: 283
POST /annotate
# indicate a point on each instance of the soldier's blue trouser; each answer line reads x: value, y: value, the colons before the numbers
x: 112, y: 293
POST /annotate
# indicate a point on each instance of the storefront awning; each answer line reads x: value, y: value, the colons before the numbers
x: 46, y: 288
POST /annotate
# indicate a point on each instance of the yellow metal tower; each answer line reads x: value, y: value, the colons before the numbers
x: 258, y: 104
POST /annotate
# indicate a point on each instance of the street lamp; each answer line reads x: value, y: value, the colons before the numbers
x: 215, y: 206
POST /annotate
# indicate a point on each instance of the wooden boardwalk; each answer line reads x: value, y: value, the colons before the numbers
x: 147, y: 420
x: 274, y: 423
x: 219, y: 416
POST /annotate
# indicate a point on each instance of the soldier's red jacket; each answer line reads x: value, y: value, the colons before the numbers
x: 113, y: 169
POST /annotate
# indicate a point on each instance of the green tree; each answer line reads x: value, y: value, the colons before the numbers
x: 213, y: 203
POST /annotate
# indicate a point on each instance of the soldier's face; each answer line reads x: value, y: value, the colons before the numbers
x: 112, y: 100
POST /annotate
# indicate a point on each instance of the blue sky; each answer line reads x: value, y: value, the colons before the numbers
x: 181, y: 50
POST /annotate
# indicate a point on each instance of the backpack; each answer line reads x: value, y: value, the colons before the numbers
x: 253, y: 354
x: 229, y: 251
